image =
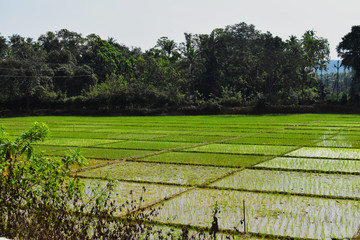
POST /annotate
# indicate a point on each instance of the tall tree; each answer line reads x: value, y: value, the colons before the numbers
x: 316, y: 50
x: 349, y: 50
x: 271, y: 69
x: 3, y: 47
x: 190, y: 64
x: 166, y: 45
x: 105, y: 57
x: 315, y: 56
x: 24, y: 74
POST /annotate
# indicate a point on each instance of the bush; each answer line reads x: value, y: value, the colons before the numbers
x: 40, y: 200
x: 231, y: 98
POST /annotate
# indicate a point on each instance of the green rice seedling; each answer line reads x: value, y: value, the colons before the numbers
x: 338, y: 143
x: 103, y: 153
x: 205, y: 159
x: 319, y: 152
x: 171, y: 132
x: 280, y: 214
x: 159, y: 173
x: 52, y: 150
x: 351, y: 132
x: 270, y: 141
x: 87, y: 135
x: 215, y: 131
x: 76, y: 142
x: 242, y: 149
x: 266, y: 212
x: 346, y: 137
x: 333, y: 128
x: 190, y: 138
x: 293, y: 182
x: 315, y: 164
x: 136, y: 136
x: 287, y: 136
x: 104, y: 135
x: 304, y: 131
x: 144, y: 145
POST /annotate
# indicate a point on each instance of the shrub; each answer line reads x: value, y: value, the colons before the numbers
x: 40, y: 200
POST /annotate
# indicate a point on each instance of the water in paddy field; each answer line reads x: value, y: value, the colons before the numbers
x: 274, y: 214
x: 293, y: 171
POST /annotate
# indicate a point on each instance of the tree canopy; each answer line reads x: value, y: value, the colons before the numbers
x: 232, y: 66
x: 349, y: 50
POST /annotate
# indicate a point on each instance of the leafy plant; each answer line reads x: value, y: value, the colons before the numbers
x: 40, y: 200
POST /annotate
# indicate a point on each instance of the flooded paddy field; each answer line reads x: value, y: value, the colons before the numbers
x: 298, y: 175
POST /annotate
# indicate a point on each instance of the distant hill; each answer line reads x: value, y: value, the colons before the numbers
x: 332, y: 67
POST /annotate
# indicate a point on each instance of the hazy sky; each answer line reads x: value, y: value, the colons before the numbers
x: 140, y: 23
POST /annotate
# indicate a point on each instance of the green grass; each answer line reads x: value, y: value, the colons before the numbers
x: 205, y: 159
x: 242, y: 149
x: 160, y: 173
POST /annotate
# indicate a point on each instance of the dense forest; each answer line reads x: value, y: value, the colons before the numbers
x: 233, y: 66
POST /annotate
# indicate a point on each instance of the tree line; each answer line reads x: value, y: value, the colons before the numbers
x: 233, y: 66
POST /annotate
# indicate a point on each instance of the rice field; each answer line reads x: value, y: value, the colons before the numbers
x: 299, y: 175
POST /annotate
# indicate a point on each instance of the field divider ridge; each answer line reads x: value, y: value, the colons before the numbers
x: 189, y: 164
x: 137, y: 181
x: 160, y: 201
x: 182, y: 148
x: 292, y: 150
x: 155, y: 153
x: 205, y: 184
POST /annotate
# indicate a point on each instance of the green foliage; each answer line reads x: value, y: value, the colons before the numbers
x: 233, y: 66
x: 3, y: 46
x: 349, y: 50
x: 32, y: 183
x: 39, y: 199
x: 231, y: 98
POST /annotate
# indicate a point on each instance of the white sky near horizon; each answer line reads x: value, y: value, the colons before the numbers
x: 140, y: 23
